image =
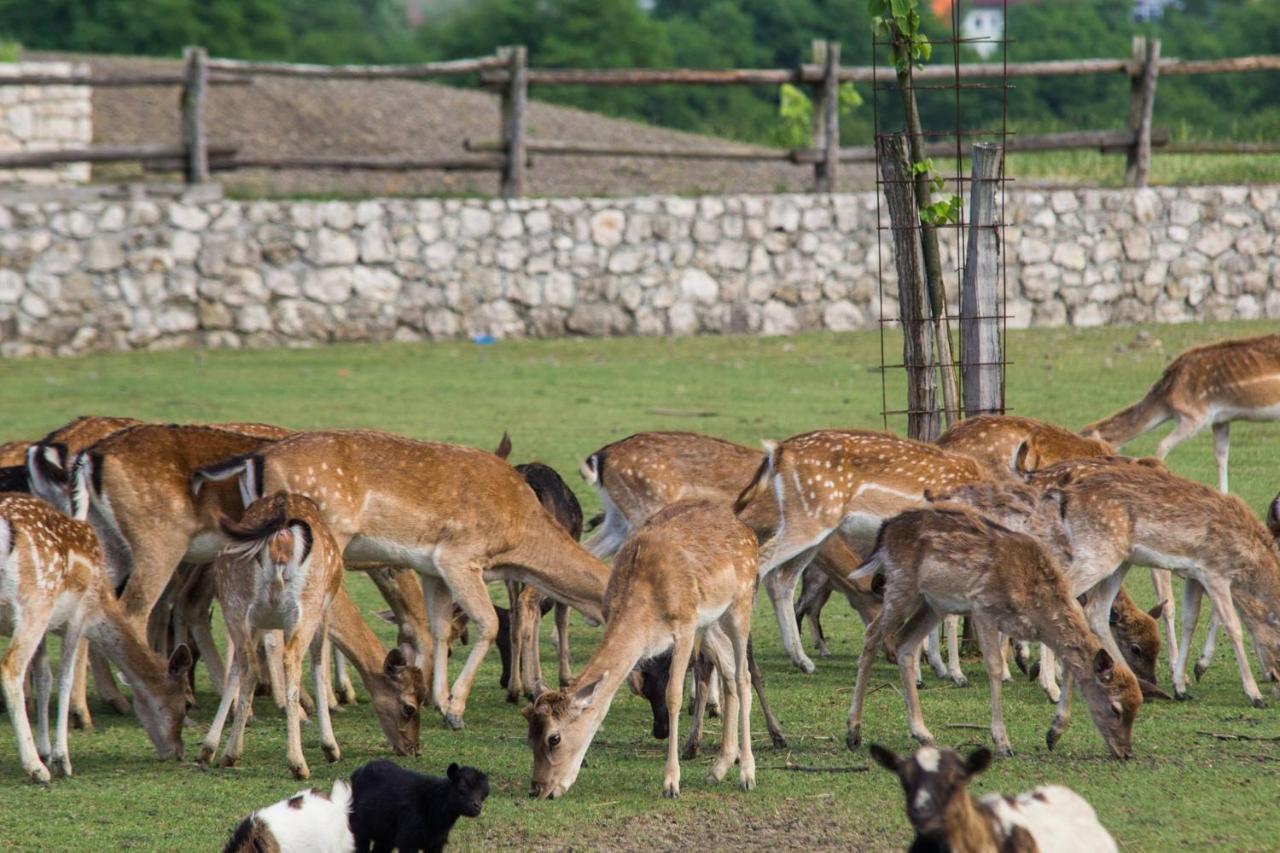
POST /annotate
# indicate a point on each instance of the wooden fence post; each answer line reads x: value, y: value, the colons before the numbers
x: 826, y: 116
x: 515, y: 98
x: 898, y: 185
x: 194, y: 136
x: 1142, y: 99
x: 981, y: 365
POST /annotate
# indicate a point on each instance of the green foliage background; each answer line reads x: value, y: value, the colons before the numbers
x: 706, y: 34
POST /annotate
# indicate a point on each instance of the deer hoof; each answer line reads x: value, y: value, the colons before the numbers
x: 121, y: 705
x: 453, y: 721
x: 300, y: 771
x: 1259, y: 702
x: 779, y: 742
x: 960, y: 681
x: 61, y: 765
x: 1199, y: 670
x: 747, y: 781
x: 853, y: 739
x: 1051, y: 738
x: 1181, y: 695
x: 230, y: 760
x: 82, y: 721
x: 39, y: 774
x: 671, y: 790
x: 690, y: 752
x: 1004, y: 751
x: 331, y: 752
x: 205, y: 756
x: 713, y: 710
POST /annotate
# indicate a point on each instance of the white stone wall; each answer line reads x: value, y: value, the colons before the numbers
x: 76, y: 277
x: 43, y: 118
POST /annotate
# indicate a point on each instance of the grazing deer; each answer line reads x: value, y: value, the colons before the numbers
x: 1004, y: 444
x: 691, y: 565
x: 280, y: 571
x: 1215, y: 384
x: 637, y: 476
x: 1123, y: 513
x: 52, y: 574
x: 457, y: 515
x: 939, y: 561
x: 818, y: 483
x: 1050, y: 819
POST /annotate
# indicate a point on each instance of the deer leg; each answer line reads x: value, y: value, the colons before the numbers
x: 465, y: 580
x: 953, y: 652
x: 703, y: 670
x: 933, y: 648
x: 1006, y: 644
x: 321, y: 668
x: 1219, y: 590
x: 271, y: 646
x: 13, y: 674
x: 515, y: 681
x: 342, y: 686
x: 913, y: 633
x: 680, y: 652
x: 531, y: 626
x: 562, y: 644
x: 293, y: 650
x: 815, y: 591
x: 721, y: 653
x: 244, y: 702
x: 1098, y: 605
x: 1162, y: 583
x: 1048, y: 674
x: 1062, y: 718
x: 780, y: 584
x: 1221, y: 450
x: 757, y: 682
x: 61, y: 758
x: 1186, y: 427
x: 197, y: 604
x: 439, y: 617
x: 992, y: 655
x: 1210, y: 644
x: 230, y: 692
x: 81, y: 717
x: 42, y: 678
x: 740, y: 637
x: 1192, y: 593
x: 870, y: 645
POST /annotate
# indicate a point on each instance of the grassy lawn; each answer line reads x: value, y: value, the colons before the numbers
x: 561, y: 400
x: 1094, y: 169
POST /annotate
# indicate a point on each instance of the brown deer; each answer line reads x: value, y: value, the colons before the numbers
x: 1151, y: 517
x: 691, y: 565
x: 952, y: 560
x: 280, y: 571
x: 457, y: 515
x: 1211, y: 385
x: 637, y: 476
x: 1004, y: 444
x: 52, y: 575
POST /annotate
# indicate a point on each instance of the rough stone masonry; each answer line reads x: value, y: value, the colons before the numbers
x: 85, y: 276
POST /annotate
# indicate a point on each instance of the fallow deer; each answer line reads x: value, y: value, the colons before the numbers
x: 457, y: 515
x: 1151, y: 517
x: 689, y: 566
x: 1210, y: 385
x: 952, y: 560
x: 280, y: 571
x: 52, y: 575
x: 1050, y: 819
x: 1007, y: 443
x: 637, y: 476
x: 14, y: 453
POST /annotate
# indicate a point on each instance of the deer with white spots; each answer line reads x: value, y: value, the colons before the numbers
x: 637, y: 476
x: 53, y: 576
x: 281, y: 571
x: 458, y: 516
x: 690, y: 566
x: 951, y: 560
x: 1005, y: 444
x: 946, y: 817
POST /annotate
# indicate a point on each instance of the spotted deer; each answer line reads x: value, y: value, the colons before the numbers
x: 457, y: 515
x: 637, y: 476
x: 1004, y: 444
x: 691, y: 565
x: 1148, y: 516
x: 1210, y: 385
x: 53, y: 576
x: 279, y: 571
x: 951, y: 560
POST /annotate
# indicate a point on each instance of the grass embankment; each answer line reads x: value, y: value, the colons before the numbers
x: 560, y: 400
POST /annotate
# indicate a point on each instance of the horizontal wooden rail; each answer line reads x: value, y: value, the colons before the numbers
x: 554, y: 147
x: 359, y: 72
x: 1222, y: 147
x: 116, y: 80
x: 103, y: 154
x: 372, y: 164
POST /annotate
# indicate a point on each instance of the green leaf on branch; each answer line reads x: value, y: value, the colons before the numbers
x: 942, y: 212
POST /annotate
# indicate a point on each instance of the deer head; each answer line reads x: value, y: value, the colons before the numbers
x: 1114, y: 697
x: 397, y: 700
x: 163, y: 706
x: 561, y: 726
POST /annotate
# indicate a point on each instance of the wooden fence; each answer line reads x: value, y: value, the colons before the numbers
x: 507, y: 72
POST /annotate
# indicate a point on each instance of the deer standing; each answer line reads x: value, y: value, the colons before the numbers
x: 939, y: 561
x: 1006, y: 444
x: 280, y: 571
x: 691, y: 565
x: 457, y: 515
x: 52, y: 574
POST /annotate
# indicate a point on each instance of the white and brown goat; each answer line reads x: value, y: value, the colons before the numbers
x: 945, y: 816
x: 53, y: 575
x: 688, y: 567
x: 953, y: 561
x: 280, y: 571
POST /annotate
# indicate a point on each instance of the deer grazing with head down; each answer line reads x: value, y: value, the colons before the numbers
x: 457, y: 515
x: 1005, y: 444
x: 691, y: 565
x: 952, y: 560
x: 280, y: 571
x: 52, y: 575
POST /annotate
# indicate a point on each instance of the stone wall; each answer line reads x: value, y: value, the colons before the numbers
x: 146, y: 273
x: 44, y: 118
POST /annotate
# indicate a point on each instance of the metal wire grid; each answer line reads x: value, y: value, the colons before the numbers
x: 958, y: 180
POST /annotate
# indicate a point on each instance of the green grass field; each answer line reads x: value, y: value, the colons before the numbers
x: 561, y: 400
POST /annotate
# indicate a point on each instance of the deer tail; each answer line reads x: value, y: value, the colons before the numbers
x: 760, y: 480
x: 85, y: 482
x: 247, y: 467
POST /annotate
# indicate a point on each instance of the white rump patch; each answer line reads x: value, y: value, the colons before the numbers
x: 318, y: 824
x: 1059, y: 819
x: 928, y: 757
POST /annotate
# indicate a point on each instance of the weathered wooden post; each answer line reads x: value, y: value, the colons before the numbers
x: 515, y: 99
x: 194, y: 137
x: 981, y: 365
x: 1142, y: 103
x: 917, y: 343
x: 826, y: 116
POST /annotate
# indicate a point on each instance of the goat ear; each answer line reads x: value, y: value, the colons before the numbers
x: 884, y: 757
x: 453, y: 771
x: 1103, y: 666
x: 583, y: 696
x: 978, y: 760
x: 394, y: 663
x: 180, y: 661
x: 1158, y: 611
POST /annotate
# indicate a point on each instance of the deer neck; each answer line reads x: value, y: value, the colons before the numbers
x: 355, y: 639
x: 550, y: 560
x: 119, y: 640
x: 1066, y: 632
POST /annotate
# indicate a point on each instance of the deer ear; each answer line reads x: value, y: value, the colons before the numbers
x: 1114, y: 618
x: 504, y: 446
x: 978, y: 760
x: 583, y: 696
x: 180, y: 661
x: 1021, y: 458
x: 394, y: 663
x: 1103, y: 666
x: 884, y: 757
x: 1158, y: 611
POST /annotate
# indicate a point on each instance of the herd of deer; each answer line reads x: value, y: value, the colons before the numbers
x: 121, y: 535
